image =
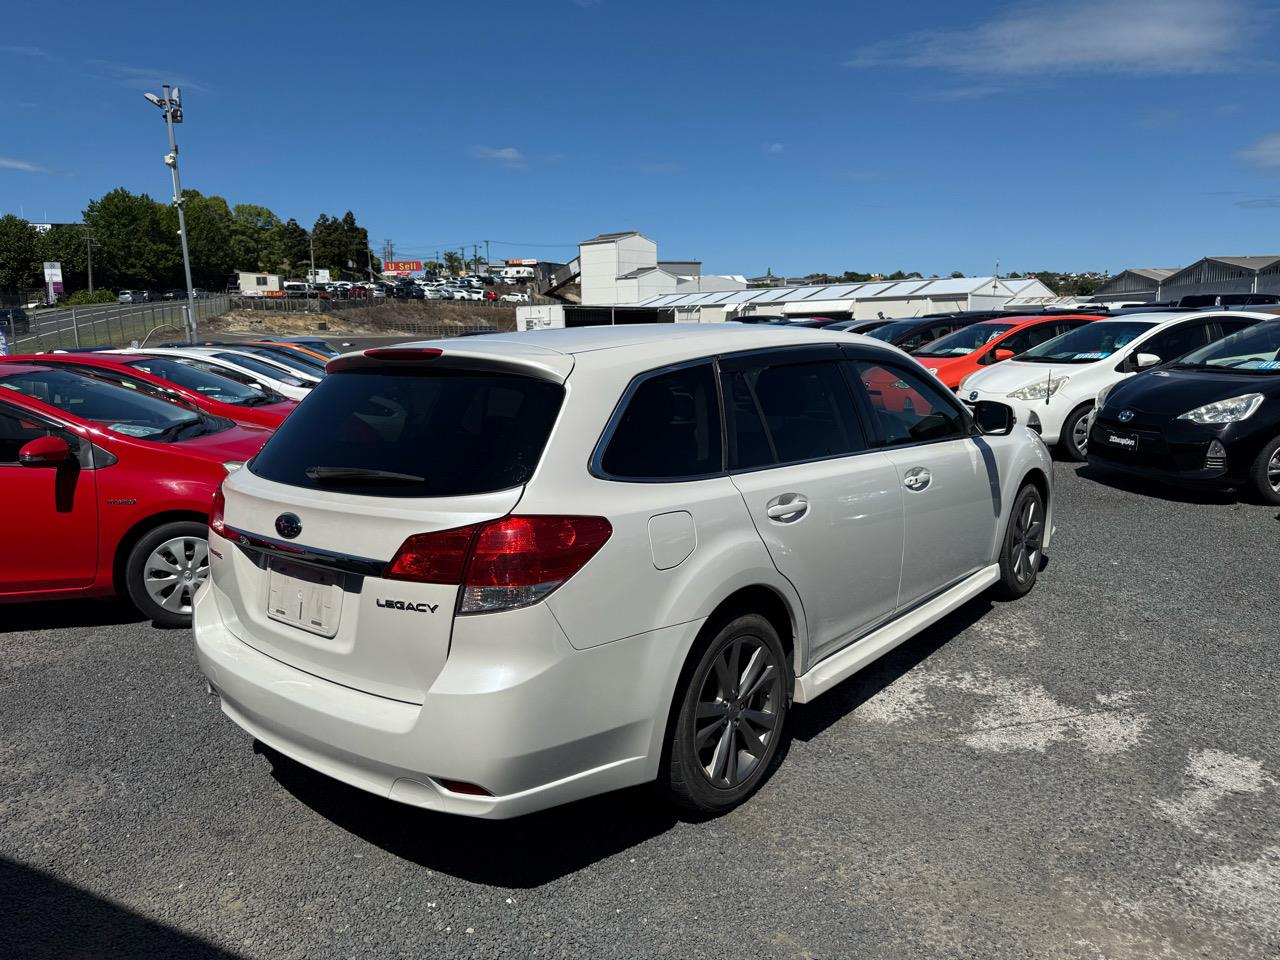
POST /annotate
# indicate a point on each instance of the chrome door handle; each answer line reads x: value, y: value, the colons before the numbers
x: 917, y: 478
x: 787, y: 508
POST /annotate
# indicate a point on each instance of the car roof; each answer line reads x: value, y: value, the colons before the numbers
x: 9, y: 368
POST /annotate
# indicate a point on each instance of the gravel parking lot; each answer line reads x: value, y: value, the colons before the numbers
x: 1093, y: 772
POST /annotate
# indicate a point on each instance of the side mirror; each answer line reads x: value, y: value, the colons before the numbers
x: 994, y: 419
x: 1002, y: 354
x: 1144, y: 360
x: 44, y: 452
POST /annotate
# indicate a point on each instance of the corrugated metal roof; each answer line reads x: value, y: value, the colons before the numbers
x: 937, y: 287
x: 1249, y: 263
x: 610, y: 237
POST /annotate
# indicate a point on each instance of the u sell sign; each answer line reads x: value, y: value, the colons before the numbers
x: 401, y: 268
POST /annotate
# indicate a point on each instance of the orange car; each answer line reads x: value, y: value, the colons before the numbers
x: 955, y: 356
x: 294, y: 345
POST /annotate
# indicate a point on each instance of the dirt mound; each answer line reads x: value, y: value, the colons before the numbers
x: 399, y: 316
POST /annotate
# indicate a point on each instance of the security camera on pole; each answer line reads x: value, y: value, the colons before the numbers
x: 171, y: 104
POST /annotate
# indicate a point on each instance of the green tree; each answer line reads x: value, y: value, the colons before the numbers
x: 291, y: 249
x: 332, y: 248
x: 251, y: 237
x: 19, y: 259
x: 65, y: 244
x: 453, y: 263
x: 135, y: 241
x: 210, y: 231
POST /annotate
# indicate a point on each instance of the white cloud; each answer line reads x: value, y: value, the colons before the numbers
x: 960, y: 94
x: 1265, y: 154
x: 863, y: 174
x: 26, y: 52
x: 775, y: 148
x: 26, y: 166
x: 1260, y: 203
x: 1103, y: 36
x: 507, y: 156
x: 142, y: 78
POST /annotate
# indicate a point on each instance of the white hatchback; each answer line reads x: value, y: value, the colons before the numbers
x: 494, y: 574
x: 1054, y: 386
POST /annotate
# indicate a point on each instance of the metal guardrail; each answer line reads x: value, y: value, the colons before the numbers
x: 114, y: 325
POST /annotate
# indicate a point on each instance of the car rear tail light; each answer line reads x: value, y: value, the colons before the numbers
x: 503, y: 564
x: 216, y: 522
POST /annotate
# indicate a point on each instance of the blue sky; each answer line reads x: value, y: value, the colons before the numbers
x: 932, y: 136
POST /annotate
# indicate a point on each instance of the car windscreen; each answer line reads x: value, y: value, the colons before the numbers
x: 262, y: 368
x: 119, y: 409
x: 199, y: 381
x: 404, y: 432
x: 963, y: 342
x: 1254, y: 350
x: 1088, y: 344
x: 892, y: 331
x: 296, y: 364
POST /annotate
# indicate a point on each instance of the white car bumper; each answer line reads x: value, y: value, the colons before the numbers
x: 515, y: 710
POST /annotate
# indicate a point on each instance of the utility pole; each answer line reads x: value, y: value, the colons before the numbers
x: 311, y: 239
x: 388, y: 250
x: 172, y: 107
x: 88, y: 249
x: 487, y: 261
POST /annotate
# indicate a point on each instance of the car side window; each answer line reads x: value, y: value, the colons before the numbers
x: 669, y: 428
x: 16, y: 432
x: 1024, y: 340
x: 789, y: 413
x: 1180, y: 339
x: 907, y: 407
x: 1228, y: 327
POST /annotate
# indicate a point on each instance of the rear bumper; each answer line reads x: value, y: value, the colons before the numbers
x: 515, y: 710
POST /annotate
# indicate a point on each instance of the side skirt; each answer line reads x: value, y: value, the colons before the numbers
x: 843, y: 664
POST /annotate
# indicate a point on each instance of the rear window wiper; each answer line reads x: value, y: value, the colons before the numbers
x: 359, y: 474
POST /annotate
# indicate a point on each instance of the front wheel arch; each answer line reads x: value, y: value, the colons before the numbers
x: 140, y: 530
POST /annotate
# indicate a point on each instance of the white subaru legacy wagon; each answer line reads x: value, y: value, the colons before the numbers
x: 490, y: 575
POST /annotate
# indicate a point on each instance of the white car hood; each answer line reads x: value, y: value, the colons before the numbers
x: 1011, y: 375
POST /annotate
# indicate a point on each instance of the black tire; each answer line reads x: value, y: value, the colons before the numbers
x: 1264, y: 475
x: 750, y: 723
x: 1070, y: 447
x: 192, y: 557
x: 1022, y: 549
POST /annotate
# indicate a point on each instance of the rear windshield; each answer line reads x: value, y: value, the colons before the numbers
x: 205, y: 384
x: 406, y: 433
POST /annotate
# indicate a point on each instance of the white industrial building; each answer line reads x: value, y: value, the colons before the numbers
x: 615, y: 268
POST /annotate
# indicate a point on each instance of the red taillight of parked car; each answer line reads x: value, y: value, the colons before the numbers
x: 216, y: 522
x: 502, y: 564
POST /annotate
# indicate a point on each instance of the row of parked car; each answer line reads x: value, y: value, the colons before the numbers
x: 494, y: 574
x: 109, y: 461
x: 154, y: 296
x: 1060, y: 371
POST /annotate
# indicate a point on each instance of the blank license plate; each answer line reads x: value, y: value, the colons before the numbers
x: 304, y: 597
x: 1121, y: 441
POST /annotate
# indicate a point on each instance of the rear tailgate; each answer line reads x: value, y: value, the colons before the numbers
x: 319, y: 601
x: 386, y: 448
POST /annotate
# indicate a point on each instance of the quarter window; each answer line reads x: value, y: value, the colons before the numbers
x: 789, y: 413
x: 669, y: 429
x: 908, y: 408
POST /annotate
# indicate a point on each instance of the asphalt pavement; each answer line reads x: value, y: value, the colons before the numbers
x: 1091, y: 772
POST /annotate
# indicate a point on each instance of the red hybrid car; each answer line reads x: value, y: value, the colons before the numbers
x: 108, y: 490
x: 172, y: 378
x: 968, y: 350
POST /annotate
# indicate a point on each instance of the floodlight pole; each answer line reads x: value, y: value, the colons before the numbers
x: 170, y: 105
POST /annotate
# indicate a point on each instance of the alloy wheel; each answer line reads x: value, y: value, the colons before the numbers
x: 1080, y: 432
x: 173, y: 572
x: 1028, y: 539
x: 737, y: 713
x: 1273, y: 471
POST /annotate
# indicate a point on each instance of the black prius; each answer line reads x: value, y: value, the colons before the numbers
x: 1210, y: 418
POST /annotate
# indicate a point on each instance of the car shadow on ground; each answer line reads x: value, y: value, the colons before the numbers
x: 812, y: 719
x: 45, y: 917
x: 526, y: 852
x: 1158, y: 490
x: 66, y: 614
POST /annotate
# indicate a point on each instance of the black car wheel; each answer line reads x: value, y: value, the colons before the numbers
x: 728, y: 733
x: 1023, y: 548
x: 165, y: 568
x: 1074, y: 440
x: 1265, y: 473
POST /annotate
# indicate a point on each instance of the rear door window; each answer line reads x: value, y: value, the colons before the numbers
x: 1177, y: 340
x: 669, y: 428
x: 788, y: 413
x: 408, y: 433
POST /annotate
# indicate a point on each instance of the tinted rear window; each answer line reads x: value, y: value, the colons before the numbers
x: 462, y: 433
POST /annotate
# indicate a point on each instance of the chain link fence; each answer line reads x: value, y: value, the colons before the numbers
x: 112, y: 325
